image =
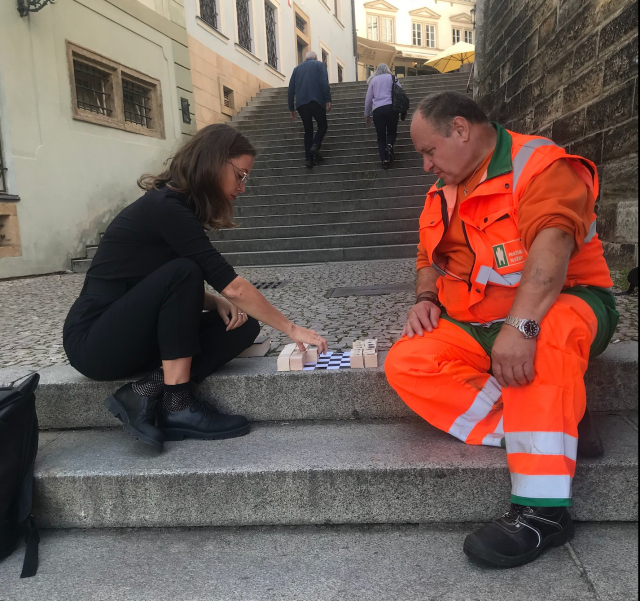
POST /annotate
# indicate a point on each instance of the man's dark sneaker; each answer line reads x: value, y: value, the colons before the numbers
x: 201, y: 420
x: 315, y: 154
x: 310, y: 164
x: 385, y: 164
x: 391, y: 156
x: 589, y: 441
x: 519, y: 536
x: 137, y: 414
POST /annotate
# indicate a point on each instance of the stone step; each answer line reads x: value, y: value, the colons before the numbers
x: 318, y: 243
x: 376, y: 189
x: 364, y: 140
x: 409, y: 562
x: 80, y: 265
x: 330, y: 179
x: 328, y: 206
x: 254, y: 388
x: 91, y: 251
x: 341, y: 228
x: 306, y: 473
x: 356, y: 132
x: 336, y: 217
x: 354, y: 160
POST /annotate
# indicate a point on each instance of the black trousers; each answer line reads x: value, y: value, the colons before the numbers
x: 309, y: 112
x: 386, y: 121
x: 115, y: 329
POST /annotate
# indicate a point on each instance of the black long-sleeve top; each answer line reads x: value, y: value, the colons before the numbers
x: 157, y: 228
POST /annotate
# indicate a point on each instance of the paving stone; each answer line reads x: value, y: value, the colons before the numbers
x: 33, y: 310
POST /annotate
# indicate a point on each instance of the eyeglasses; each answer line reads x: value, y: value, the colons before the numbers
x: 242, y: 175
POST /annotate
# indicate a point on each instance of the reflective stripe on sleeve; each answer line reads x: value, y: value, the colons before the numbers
x: 524, y: 154
x: 541, y: 487
x: 542, y: 443
x: 592, y: 232
x: 480, y: 408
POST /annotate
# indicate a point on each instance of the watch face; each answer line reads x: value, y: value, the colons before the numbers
x: 530, y: 328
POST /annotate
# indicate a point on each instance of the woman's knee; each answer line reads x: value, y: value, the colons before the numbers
x: 186, y: 268
x: 250, y: 331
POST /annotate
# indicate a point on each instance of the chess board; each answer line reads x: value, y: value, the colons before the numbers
x: 330, y: 360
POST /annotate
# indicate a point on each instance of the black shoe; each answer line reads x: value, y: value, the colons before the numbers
x: 315, y: 154
x: 391, y: 155
x: 519, y: 536
x: 589, y: 441
x: 385, y: 164
x: 201, y: 420
x: 137, y: 414
x: 310, y: 164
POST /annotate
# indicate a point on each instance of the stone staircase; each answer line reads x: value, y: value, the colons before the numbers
x: 326, y: 448
x: 345, y: 209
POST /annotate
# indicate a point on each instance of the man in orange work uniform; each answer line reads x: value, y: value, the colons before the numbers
x: 513, y: 297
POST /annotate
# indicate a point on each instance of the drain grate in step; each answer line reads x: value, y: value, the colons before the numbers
x: 370, y: 290
x: 269, y: 285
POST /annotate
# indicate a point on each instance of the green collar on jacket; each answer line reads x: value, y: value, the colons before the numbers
x: 501, y: 162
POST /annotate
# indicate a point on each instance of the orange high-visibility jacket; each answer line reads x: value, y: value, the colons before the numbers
x: 490, y: 224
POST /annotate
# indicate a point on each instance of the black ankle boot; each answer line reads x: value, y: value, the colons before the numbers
x: 137, y: 414
x: 200, y: 420
x: 519, y: 536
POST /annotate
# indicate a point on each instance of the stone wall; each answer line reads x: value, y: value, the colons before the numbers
x: 568, y: 70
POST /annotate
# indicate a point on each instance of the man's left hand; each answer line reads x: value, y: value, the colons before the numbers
x: 328, y: 107
x: 294, y: 115
x: 512, y: 358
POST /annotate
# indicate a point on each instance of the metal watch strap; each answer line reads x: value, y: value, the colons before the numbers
x: 513, y: 321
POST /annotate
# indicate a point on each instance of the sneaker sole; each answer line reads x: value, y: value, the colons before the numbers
x: 487, y: 557
x: 118, y: 412
x: 175, y: 434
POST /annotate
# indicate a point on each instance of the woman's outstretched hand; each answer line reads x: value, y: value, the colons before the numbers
x: 231, y: 316
x: 301, y: 336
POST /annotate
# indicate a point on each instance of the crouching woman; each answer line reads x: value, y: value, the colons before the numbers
x: 144, y: 308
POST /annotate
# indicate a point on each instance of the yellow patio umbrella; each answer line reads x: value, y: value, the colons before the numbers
x: 453, y: 58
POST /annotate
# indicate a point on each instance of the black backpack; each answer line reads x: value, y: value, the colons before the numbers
x: 18, y: 448
x: 399, y: 98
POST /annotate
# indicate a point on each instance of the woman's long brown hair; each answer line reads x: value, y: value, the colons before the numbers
x: 196, y: 169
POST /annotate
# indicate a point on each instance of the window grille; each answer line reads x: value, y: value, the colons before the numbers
x: 244, y: 24
x: 301, y: 24
x: 325, y: 58
x: 272, y: 45
x: 340, y: 74
x: 227, y: 97
x: 209, y: 12
x: 456, y: 36
x: 430, y: 35
x: 417, y: 34
x: 372, y: 28
x: 387, y: 30
x: 468, y: 37
x: 91, y: 84
x: 137, y: 103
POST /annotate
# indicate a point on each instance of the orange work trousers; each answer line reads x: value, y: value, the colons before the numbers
x: 443, y: 376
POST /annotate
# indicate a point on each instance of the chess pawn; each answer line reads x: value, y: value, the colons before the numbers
x: 370, y: 358
x: 356, y: 359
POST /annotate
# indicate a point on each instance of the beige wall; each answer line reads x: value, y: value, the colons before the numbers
x: 68, y: 177
x: 210, y: 72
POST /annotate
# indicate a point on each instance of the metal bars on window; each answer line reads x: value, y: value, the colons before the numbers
x: 91, y: 84
x: 272, y: 43
x: 340, y: 74
x: 137, y: 103
x: 301, y: 24
x: 325, y: 58
x: 244, y: 23
x: 3, y: 185
x: 209, y: 12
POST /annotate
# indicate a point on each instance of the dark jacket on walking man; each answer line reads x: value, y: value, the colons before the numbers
x: 309, y: 88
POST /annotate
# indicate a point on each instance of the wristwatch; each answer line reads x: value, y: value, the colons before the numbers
x: 528, y: 327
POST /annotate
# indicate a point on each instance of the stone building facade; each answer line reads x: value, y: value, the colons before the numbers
x: 568, y: 70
